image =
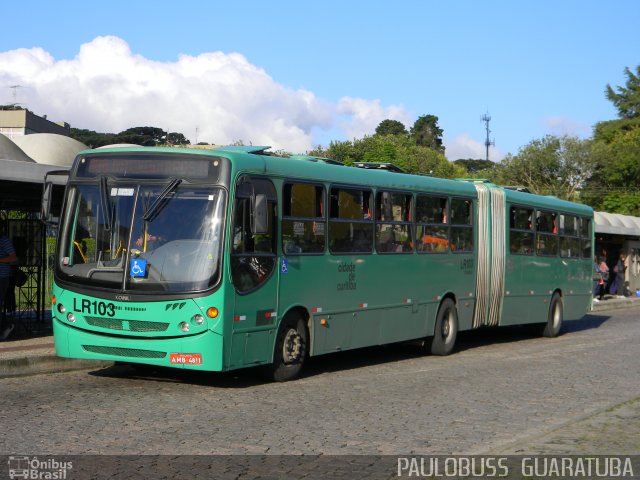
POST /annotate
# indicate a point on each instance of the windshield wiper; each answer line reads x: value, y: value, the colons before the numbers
x: 104, y: 203
x: 161, y: 200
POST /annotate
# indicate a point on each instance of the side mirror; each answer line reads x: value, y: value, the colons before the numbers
x: 259, y: 214
x: 46, y: 215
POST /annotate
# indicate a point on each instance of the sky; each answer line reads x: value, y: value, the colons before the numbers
x: 295, y: 75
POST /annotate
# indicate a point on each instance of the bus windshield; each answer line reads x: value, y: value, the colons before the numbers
x: 142, y: 238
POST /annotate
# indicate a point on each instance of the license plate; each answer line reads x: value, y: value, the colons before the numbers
x: 186, y: 358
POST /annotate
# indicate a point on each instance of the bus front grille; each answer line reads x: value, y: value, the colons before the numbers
x: 138, y: 326
x: 127, y: 325
x: 124, y: 352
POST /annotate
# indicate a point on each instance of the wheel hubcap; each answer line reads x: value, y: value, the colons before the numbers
x: 556, y: 315
x: 446, y: 326
x: 292, y: 346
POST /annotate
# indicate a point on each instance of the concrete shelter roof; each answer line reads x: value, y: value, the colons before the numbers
x: 616, y: 224
x: 49, y: 148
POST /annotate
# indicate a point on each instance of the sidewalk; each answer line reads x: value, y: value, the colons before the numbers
x: 33, y: 355
x: 29, y: 350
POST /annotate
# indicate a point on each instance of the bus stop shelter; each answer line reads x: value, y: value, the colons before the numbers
x: 21, y: 182
x: 615, y: 234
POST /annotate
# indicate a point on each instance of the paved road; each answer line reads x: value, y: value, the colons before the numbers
x: 504, y: 391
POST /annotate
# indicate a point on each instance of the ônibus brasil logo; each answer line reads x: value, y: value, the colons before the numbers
x: 23, y: 467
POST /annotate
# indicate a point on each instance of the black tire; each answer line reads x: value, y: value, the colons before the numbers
x: 554, y: 318
x: 291, y: 349
x: 444, y: 336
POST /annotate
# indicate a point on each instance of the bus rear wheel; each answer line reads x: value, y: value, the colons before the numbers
x: 554, y: 318
x: 291, y: 349
x: 444, y: 336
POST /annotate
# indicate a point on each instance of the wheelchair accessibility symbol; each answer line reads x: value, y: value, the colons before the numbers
x: 138, y: 267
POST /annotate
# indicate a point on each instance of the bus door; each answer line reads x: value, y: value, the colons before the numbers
x: 253, y: 271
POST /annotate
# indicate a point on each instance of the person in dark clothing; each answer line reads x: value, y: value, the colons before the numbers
x: 8, y: 258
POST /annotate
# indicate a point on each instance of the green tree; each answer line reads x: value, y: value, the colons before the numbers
x: 145, y: 136
x: 473, y: 166
x: 391, y: 127
x: 426, y: 133
x: 175, y: 138
x: 399, y: 150
x: 615, y: 186
x: 559, y: 166
x: 608, y: 131
x: 92, y: 139
x: 627, y: 99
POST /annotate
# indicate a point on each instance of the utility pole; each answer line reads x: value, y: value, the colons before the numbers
x: 488, y: 143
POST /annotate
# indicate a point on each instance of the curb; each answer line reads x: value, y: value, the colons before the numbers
x: 34, y: 364
x: 23, y: 366
x: 617, y: 304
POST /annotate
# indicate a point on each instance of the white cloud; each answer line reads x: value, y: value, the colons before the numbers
x: 560, y: 125
x: 108, y: 88
x: 463, y: 146
x: 363, y: 116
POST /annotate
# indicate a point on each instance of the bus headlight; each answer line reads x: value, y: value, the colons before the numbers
x: 198, y: 319
x: 184, y: 326
x: 61, y: 308
x: 71, y: 317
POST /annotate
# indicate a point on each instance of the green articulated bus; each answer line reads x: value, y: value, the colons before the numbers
x: 229, y: 258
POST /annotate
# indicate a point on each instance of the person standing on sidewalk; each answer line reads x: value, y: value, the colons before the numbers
x: 8, y: 258
x: 617, y: 285
x: 604, y: 274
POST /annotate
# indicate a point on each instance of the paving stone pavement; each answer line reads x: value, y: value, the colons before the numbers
x: 613, y: 431
x: 503, y: 391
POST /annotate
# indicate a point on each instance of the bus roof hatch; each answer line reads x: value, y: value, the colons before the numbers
x: 379, y: 166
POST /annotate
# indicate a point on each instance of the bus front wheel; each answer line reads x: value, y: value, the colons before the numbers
x: 291, y: 349
x: 444, y: 336
x: 554, y: 318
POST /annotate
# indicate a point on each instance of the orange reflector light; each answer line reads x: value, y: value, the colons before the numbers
x: 54, y: 300
x: 323, y: 321
x: 212, y: 312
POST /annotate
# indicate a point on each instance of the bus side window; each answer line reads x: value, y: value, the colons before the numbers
x: 393, y: 223
x: 521, y: 233
x: 303, y: 222
x: 585, y: 237
x: 432, y: 230
x: 547, y: 241
x: 350, y: 221
x: 461, y: 231
x: 570, y: 239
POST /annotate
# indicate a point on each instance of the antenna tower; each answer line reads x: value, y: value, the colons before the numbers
x: 486, y: 118
x: 15, y: 93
